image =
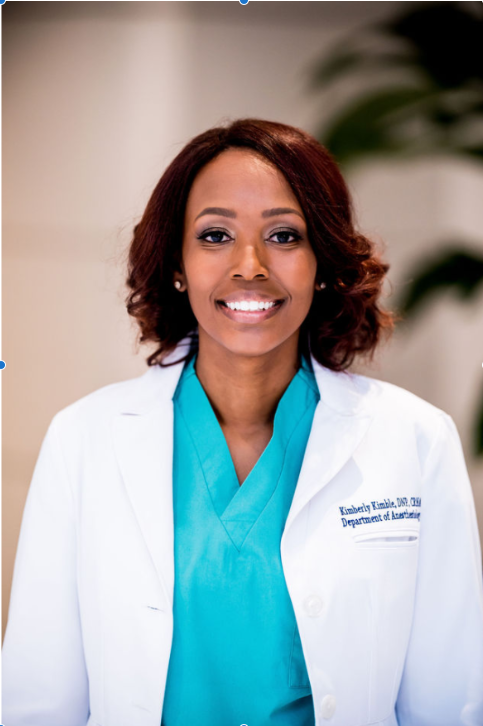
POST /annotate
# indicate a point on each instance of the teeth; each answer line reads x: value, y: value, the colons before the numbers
x: 253, y: 305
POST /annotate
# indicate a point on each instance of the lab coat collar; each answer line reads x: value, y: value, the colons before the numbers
x: 342, y: 392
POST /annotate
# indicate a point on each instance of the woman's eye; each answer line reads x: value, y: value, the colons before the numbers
x: 216, y: 234
x: 284, y: 234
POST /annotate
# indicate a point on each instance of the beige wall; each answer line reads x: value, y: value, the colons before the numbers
x: 98, y: 98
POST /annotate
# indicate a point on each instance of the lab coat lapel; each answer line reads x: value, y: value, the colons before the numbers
x: 143, y: 444
x: 341, y: 419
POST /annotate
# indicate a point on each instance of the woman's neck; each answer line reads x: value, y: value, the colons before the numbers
x: 245, y: 390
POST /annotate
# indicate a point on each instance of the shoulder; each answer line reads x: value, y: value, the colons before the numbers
x: 352, y: 393
x: 392, y: 400
x: 133, y: 396
x: 392, y: 404
x: 402, y: 417
x: 399, y: 418
x: 138, y: 395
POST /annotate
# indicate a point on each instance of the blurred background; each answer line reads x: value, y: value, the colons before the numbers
x: 99, y: 97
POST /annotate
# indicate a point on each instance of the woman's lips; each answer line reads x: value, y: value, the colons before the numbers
x: 249, y: 316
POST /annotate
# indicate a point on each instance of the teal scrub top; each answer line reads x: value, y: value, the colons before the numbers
x: 236, y: 655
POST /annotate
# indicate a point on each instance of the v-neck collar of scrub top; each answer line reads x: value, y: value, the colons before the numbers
x: 238, y: 507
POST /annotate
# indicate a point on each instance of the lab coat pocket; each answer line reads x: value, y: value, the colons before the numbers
x: 398, y: 538
x: 298, y: 676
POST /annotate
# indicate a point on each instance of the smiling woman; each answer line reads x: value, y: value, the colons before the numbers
x: 248, y: 533
x: 287, y: 220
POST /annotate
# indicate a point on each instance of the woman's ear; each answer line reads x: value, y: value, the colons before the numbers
x: 178, y: 281
x: 178, y: 275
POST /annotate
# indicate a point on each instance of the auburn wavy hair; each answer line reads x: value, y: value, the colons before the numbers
x: 345, y: 319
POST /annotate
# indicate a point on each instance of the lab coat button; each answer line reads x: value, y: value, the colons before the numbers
x: 313, y: 606
x: 328, y: 707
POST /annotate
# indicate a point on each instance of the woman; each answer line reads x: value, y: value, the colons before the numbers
x: 248, y: 533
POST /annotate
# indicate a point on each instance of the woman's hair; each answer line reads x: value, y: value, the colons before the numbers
x: 345, y: 318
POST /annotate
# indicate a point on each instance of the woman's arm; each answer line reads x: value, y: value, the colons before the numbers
x: 44, y: 674
x: 442, y: 683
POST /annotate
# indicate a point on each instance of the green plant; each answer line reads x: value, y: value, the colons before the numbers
x: 429, y: 102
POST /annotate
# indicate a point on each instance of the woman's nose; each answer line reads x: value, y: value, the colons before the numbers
x: 249, y: 260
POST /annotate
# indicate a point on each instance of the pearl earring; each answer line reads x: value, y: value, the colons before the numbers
x: 177, y: 284
x: 321, y: 285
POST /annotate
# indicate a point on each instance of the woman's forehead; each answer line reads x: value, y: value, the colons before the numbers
x: 238, y: 176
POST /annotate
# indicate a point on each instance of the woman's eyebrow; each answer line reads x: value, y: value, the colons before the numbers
x: 230, y: 213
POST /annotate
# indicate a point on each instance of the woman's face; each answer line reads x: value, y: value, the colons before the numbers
x: 245, y: 241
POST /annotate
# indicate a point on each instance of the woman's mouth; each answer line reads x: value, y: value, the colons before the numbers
x: 249, y: 312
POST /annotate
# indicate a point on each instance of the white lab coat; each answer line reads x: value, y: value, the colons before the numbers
x: 390, y: 610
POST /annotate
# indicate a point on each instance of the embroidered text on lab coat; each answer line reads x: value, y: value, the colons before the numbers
x: 402, y: 508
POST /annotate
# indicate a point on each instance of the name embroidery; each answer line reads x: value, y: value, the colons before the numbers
x: 402, y: 508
